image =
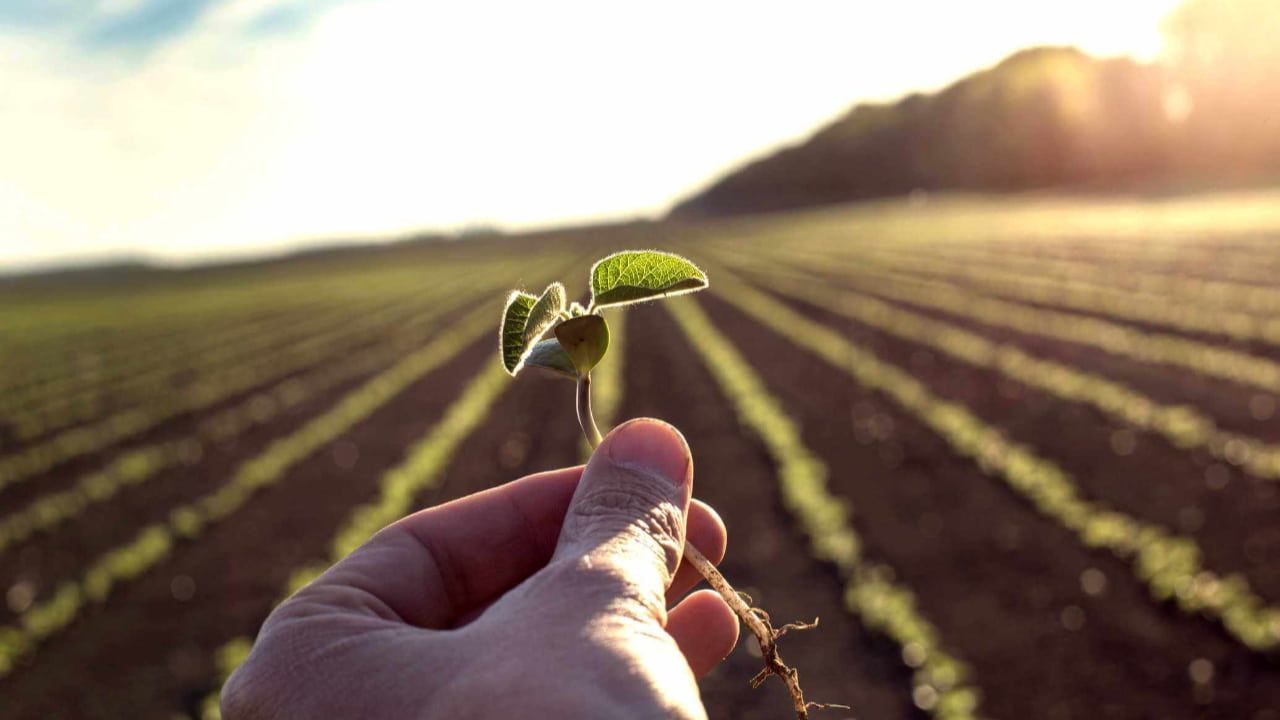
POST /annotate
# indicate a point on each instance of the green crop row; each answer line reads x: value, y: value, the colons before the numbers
x: 1142, y: 346
x: 1125, y: 304
x: 144, y: 386
x: 1222, y: 242
x: 422, y: 468
x: 1182, y: 426
x: 187, y: 522
x: 40, y: 360
x: 942, y: 683
x: 199, y: 348
x: 1168, y: 564
x: 83, y: 440
x: 1256, y: 299
x: 1233, y: 249
x: 1212, y: 263
x: 85, y: 364
x: 1109, y: 268
x: 138, y: 465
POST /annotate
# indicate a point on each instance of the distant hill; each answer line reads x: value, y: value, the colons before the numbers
x: 1044, y: 117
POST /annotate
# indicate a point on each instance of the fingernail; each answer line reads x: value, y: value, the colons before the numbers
x: 652, y: 447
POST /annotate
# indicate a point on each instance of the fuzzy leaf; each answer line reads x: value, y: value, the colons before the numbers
x: 514, y: 320
x: 544, y: 314
x: 637, y: 275
x: 550, y: 355
x: 576, y: 309
x: 585, y: 339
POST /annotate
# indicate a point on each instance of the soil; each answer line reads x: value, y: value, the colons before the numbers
x: 1008, y: 585
x: 1232, y: 515
x: 1226, y: 401
x: 1257, y: 347
x: 47, y: 559
x: 839, y: 662
x: 184, y: 424
x: 151, y: 650
x: 1002, y: 583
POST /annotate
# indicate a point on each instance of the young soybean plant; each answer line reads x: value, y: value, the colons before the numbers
x: 579, y: 338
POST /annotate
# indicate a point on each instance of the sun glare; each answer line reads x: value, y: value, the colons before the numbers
x: 391, y: 116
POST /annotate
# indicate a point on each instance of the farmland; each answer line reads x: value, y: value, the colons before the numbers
x: 1021, y: 456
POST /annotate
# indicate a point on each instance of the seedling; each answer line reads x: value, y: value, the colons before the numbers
x: 576, y: 339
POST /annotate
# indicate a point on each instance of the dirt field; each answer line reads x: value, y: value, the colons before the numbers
x: 1144, y: 583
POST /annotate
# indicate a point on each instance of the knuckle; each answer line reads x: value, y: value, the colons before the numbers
x: 244, y: 696
x: 636, y: 509
x: 606, y: 592
x: 255, y: 688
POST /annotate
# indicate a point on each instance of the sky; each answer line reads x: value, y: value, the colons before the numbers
x: 188, y: 130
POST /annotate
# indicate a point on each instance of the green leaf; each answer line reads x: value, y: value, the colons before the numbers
x: 585, y: 339
x: 550, y: 355
x: 636, y: 275
x: 544, y: 314
x: 514, y: 320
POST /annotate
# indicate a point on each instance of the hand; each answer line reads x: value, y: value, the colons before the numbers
x: 543, y: 598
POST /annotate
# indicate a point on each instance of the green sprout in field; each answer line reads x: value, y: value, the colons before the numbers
x: 570, y: 340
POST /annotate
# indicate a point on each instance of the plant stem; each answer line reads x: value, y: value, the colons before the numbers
x: 756, y: 620
x: 585, y: 418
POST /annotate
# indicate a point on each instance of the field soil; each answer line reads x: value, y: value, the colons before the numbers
x: 767, y: 558
x: 1008, y: 576
x: 1048, y: 628
x: 150, y: 649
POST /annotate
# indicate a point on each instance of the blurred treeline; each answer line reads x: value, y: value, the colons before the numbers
x: 1207, y: 114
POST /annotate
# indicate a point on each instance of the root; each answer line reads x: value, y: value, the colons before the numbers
x: 757, y: 621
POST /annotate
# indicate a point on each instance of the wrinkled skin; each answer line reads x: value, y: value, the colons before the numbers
x: 546, y: 597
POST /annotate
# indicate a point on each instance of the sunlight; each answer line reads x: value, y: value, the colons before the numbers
x: 389, y: 116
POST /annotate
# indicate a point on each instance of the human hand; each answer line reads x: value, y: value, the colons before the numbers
x: 543, y: 598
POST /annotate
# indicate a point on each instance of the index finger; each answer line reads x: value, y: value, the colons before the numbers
x: 437, y: 566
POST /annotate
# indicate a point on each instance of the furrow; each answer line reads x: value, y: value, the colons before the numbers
x: 1168, y: 564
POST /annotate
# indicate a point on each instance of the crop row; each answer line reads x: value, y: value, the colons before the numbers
x: 1127, y: 304
x: 188, y: 522
x: 1168, y: 564
x: 1250, y: 298
x: 139, y: 465
x: 941, y: 682
x: 205, y: 348
x: 1118, y: 339
x: 1182, y: 426
x: 1054, y: 262
x: 147, y: 326
x: 116, y: 352
x: 422, y: 468
x: 83, y: 440
x: 58, y: 411
x: 1222, y: 248
x: 1119, y: 304
x: 1213, y: 262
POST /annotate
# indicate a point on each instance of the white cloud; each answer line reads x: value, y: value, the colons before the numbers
x: 395, y: 114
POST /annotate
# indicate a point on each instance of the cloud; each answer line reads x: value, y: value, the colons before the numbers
x: 145, y: 25
x: 260, y: 123
x: 106, y: 155
x: 33, y: 14
x: 136, y: 27
x: 285, y: 18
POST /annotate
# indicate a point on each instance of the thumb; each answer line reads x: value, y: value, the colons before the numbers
x: 626, y: 521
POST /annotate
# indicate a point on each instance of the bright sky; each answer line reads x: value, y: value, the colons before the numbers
x: 191, y: 129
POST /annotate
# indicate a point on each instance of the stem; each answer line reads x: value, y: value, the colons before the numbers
x: 585, y: 418
x: 756, y: 620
